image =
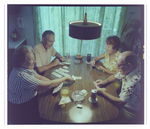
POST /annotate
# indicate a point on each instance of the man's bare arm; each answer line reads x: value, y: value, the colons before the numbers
x: 46, y: 67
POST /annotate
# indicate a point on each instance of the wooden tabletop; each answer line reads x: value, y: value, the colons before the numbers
x: 98, y: 112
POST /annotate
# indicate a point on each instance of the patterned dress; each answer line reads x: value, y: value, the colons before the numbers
x: 111, y: 65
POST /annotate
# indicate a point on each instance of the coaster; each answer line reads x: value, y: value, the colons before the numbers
x: 88, y: 62
x: 92, y: 101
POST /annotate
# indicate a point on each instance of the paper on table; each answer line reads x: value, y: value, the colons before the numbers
x: 64, y: 100
x: 58, y: 88
x: 98, y: 86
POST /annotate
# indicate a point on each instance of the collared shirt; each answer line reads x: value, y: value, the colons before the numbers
x: 131, y: 89
x: 111, y: 65
x: 22, y: 85
x: 43, y: 57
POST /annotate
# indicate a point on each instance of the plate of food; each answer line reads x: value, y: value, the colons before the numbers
x: 79, y: 56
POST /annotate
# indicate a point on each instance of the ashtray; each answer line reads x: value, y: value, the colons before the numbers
x: 77, y: 96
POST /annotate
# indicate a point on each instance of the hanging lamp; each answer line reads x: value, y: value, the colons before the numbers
x: 84, y: 30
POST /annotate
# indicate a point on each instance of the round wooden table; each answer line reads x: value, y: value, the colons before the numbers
x: 98, y: 112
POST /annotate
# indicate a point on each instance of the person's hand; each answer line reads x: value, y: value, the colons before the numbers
x: 56, y: 62
x: 93, y: 63
x: 62, y: 58
x: 100, y: 82
x: 69, y: 79
x: 100, y: 91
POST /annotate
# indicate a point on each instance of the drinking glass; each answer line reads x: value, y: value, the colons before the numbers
x: 64, y: 92
x: 88, y: 58
x: 68, y: 56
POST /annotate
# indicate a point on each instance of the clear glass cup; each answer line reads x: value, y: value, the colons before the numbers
x: 68, y: 56
x: 77, y: 97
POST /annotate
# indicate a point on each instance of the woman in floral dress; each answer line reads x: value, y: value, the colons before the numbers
x: 111, y: 55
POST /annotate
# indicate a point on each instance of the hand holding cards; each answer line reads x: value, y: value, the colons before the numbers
x: 58, y: 88
x: 98, y: 86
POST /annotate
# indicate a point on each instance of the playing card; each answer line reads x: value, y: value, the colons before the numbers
x: 95, y: 84
x: 61, y: 63
x: 56, y: 74
x: 76, y: 77
x: 60, y: 71
x: 67, y: 63
x: 65, y: 67
x: 65, y: 74
x: 64, y: 70
x: 58, y: 88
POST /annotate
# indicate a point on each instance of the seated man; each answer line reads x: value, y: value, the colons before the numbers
x: 129, y: 100
x: 44, y: 51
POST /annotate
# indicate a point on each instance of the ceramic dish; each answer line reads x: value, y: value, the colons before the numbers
x: 79, y: 56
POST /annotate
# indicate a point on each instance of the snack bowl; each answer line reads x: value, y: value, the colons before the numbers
x: 77, y: 97
x: 79, y: 56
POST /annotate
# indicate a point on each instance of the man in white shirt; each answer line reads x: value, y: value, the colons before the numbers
x: 44, y: 51
x: 129, y: 100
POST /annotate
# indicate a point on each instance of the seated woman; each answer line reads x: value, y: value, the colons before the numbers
x: 23, y: 86
x: 111, y: 55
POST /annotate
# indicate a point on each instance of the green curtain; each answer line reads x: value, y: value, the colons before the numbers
x: 57, y: 18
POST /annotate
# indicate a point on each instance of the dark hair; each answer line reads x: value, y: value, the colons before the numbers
x: 132, y: 59
x: 115, y: 41
x: 47, y: 32
x: 19, y: 56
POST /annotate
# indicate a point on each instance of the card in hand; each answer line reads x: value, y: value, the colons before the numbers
x: 58, y: 88
x: 65, y: 67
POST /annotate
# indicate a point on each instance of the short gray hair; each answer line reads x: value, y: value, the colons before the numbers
x: 19, y: 55
x: 47, y: 32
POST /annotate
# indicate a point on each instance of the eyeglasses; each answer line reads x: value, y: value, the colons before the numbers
x: 121, y: 64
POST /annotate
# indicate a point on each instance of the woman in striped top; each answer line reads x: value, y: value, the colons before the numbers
x: 23, y: 86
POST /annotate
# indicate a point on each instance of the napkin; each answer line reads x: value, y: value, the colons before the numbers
x: 64, y: 100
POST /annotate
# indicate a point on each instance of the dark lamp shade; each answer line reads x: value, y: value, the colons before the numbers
x: 84, y: 32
